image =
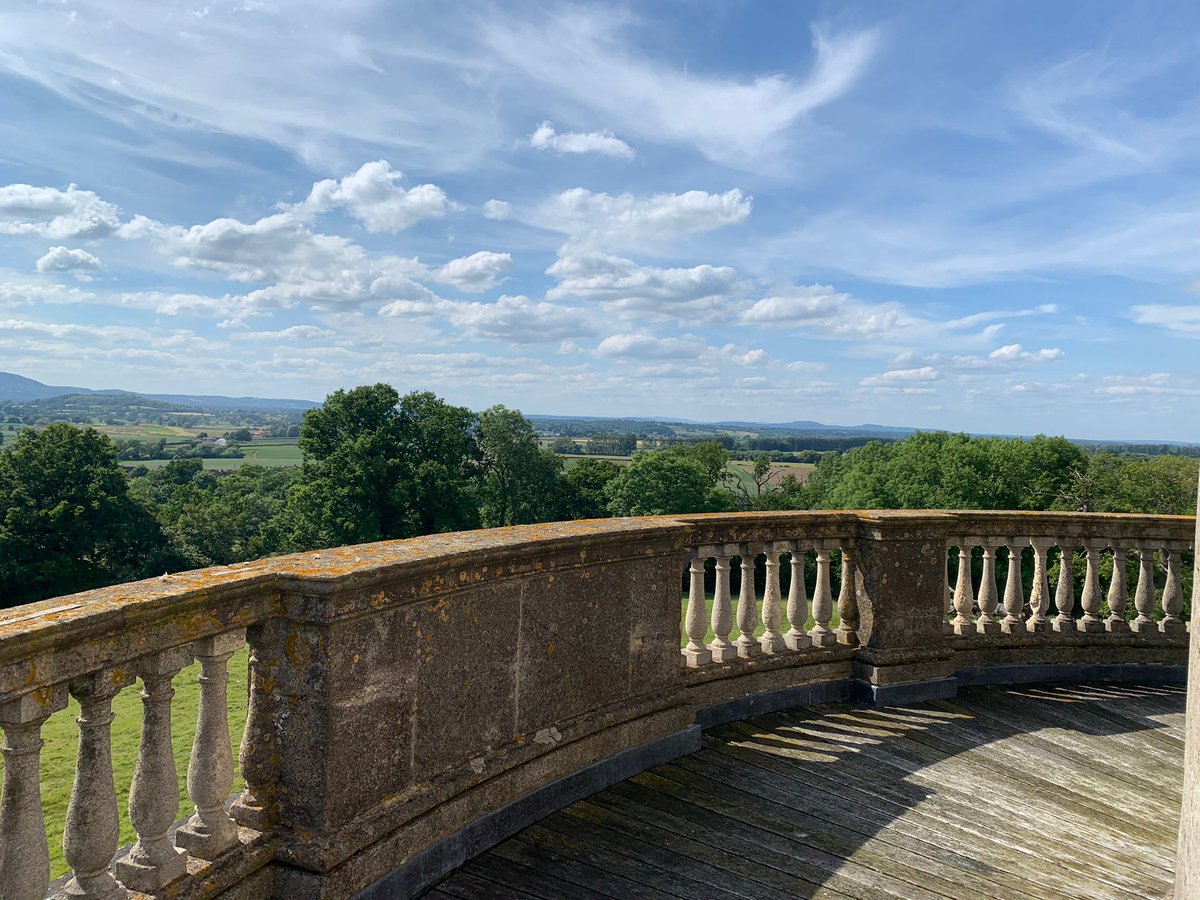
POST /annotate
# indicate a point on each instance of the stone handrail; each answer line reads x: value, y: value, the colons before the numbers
x: 412, y: 702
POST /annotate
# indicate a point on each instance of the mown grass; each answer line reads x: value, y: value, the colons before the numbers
x: 62, y: 737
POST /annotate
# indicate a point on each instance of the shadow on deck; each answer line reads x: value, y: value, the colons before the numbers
x: 1043, y: 792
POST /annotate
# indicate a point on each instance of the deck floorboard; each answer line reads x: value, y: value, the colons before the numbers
x: 1048, y: 792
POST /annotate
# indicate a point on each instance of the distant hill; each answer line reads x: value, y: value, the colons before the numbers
x: 582, y: 425
x: 19, y: 389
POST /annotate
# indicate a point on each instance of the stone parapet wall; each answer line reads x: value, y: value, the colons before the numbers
x: 403, y: 693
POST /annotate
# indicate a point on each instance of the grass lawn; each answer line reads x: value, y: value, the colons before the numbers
x: 62, y: 737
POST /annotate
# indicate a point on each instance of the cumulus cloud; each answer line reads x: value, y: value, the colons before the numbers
x: 520, y: 320
x: 274, y: 247
x: 478, y: 272
x: 820, y: 308
x: 643, y: 345
x: 605, y: 143
x: 646, y: 346
x: 627, y: 285
x: 61, y: 259
x: 497, y: 210
x: 599, y: 221
x: 49, y: 212
x: 1013, y: 353
x: 374, y: 196
x: 516, y: 319
x: 899, y: 376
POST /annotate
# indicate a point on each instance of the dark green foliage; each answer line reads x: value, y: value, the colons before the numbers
x: 665, y: 482
x: 588, y: 487
x: 67, y: 521
x: 521, y: 480
x: 377, y: 467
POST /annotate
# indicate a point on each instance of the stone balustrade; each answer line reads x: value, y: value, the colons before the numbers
x: 413, y: 702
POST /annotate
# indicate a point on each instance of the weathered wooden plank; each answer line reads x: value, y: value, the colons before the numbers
x: 562, y: 865
x: 841, y: 801
x: 526, y: 881
x: 975, y: 787
x: 780, y: 827
x: 1040, y: 792
x: 879, y: 774
x: 742, y: 873
x: 583, y: 844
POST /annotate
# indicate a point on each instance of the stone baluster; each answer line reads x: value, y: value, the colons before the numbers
x: 1117, y: 593
x: 210, y: 832
x: 24, y: 851
x: 772, y: 609
x: 822, y: 604
x: 1014, y: 593
x: 695, y: 654
x: 989, y: 598
x: 153, y: 862
x: 93, y: 826
x: 847, y: 632
x: 797, y: 603
x: 1172, y: 596
x: 747, y: 608
x: 964, y: 594
x: 722, y: 611
x: 258, y: 754
x: 1144, y: 599
x: 1089, y: 600
x: 1064, y: 591
x: 1039, y: 595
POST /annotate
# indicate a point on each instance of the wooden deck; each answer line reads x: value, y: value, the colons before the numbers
x: 1050, y: 792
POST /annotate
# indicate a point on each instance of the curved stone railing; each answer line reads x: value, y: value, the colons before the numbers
x: 413, y: 702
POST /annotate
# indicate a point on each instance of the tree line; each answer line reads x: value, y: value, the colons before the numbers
x: 378, y: 466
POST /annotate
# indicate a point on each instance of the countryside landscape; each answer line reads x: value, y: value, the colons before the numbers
x: 592, y: 450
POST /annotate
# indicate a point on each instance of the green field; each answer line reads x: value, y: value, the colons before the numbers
x: 61, y: 736
x: 267, y: 452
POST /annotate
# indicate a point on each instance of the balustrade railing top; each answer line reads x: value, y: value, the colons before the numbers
x: 399, y: 692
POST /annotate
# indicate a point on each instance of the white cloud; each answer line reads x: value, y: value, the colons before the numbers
x: 49, y: 212
x: 373, y: 195
x: 580, y: 56
x: 498, y: 210
x: 544, y: 137
x: 599, y: 221
x: 642, y: 345
x: 626, y: 285
x: 1181, y: 320
x: 61, y: 259
x: 1013, y: 352
x: 821, y: 309
x: 520, y: 320
x: 902, y: 376
x: 516, y: 319
x: 478, y: 272
x: 646, y: 346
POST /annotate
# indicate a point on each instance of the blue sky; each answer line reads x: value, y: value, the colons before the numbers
x: 977, y: 216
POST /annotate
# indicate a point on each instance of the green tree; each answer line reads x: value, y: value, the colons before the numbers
x: 352, y: 486
x: 67, y: 521
x: 378, y: 467
x: 521, y: 480
x: 442, y: 448
x: 663, y: 482
x: 588, y: 487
